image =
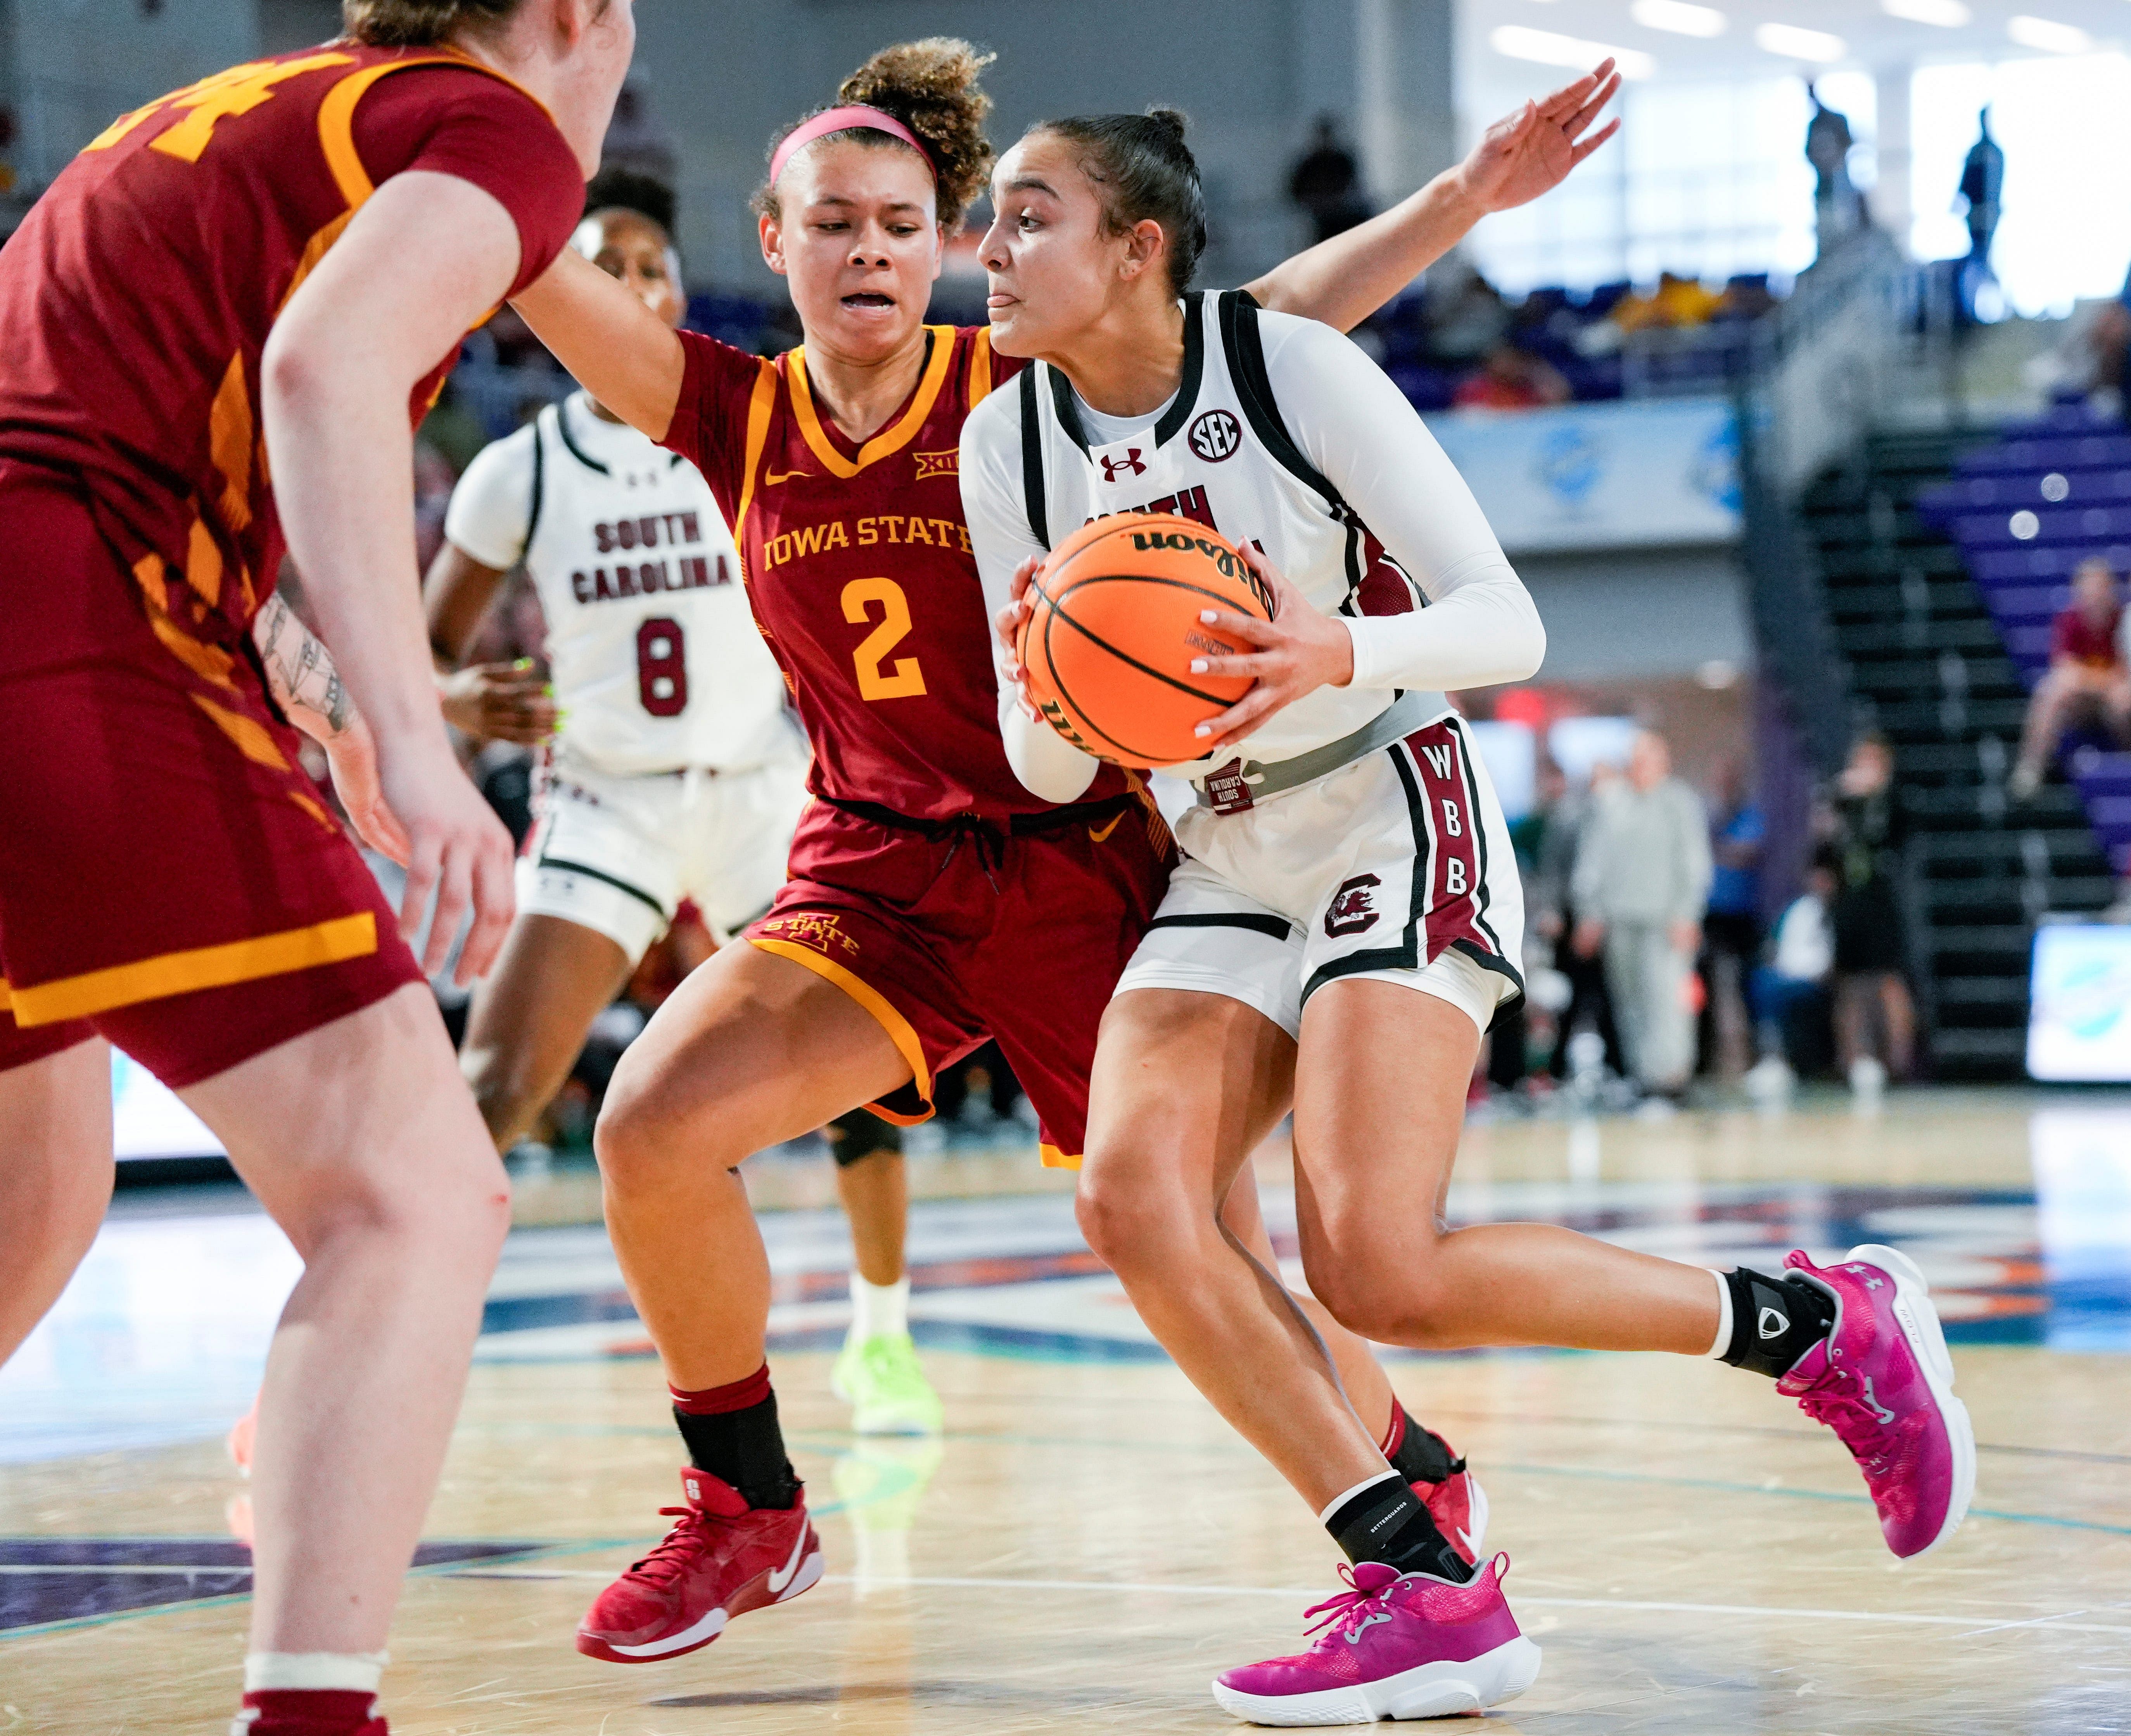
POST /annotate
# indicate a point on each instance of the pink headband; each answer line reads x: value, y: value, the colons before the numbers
x: 841, y: 120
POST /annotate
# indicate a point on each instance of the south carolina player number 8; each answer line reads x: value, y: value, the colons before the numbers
x: 661, y: 667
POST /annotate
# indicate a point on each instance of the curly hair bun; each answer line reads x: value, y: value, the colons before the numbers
x: 930, y: 86
x: 419, y: 23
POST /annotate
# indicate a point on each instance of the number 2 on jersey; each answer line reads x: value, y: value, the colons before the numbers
x: 661, y: 667
x: 907, y: 681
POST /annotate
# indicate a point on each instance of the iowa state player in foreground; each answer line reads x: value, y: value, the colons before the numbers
x: 263, y: 275
x: 933, y: 899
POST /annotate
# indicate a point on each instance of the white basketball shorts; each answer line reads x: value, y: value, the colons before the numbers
x: 618, y: 854
x: 1396, y: 868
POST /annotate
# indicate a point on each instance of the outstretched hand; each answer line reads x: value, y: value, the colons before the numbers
x: 1297, y: 650
x: 1532, y: 152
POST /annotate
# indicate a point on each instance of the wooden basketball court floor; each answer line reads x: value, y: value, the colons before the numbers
x: 1089, y: 1544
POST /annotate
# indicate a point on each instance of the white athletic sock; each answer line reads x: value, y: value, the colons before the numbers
x: 877, y: 1308
x: 347, y: 1672
x: 1723, y: 1317
x: 1345, y: 1495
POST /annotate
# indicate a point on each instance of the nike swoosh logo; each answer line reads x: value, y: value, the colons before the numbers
x: 779, y: 1578
x: 1096, y: 837
x: 770, y: 479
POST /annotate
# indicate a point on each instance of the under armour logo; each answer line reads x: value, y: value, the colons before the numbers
x: 1130, y: 464
x: 1874, y: 1284
x: 1773, y: 1324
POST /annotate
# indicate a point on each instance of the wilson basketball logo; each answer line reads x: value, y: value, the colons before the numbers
x: 1215, y: 435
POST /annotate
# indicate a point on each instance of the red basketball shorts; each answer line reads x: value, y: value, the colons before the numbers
x: 169, y: 877
x: 949, y: 939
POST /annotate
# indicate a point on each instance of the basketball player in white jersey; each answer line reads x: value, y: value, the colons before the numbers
x: 675, y: 770
x: 1346, y: 926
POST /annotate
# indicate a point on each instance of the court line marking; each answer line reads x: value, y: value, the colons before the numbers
x: 2057, y: 1623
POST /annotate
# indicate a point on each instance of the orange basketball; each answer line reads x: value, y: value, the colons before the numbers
x: 1114, y: 628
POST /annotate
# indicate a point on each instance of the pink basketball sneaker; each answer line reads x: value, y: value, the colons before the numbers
x: 722, y: 1559
x: 1393, y: 1646
x: 1883, y: 1381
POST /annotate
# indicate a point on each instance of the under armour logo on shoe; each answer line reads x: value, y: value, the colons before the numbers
x: 1773, y: 1324
x: 1874, y: 1284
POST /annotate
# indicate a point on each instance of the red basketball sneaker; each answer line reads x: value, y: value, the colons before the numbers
x: 1458, y: 1505
x: 309, y: 1712
x: 722, y: 1559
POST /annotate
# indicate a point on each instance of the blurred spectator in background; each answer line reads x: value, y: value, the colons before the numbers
x: 953, y: 1086
x: 1641, y: 884
x: 1792, y: 1008
x: 1326, y: 182
x: 1874, y: 1020
x: 1828, y: 145
x: 2088, y: 681
x: 1731, y: 931
x: 1511, y: 378
x: 1463, y: 315
x: 1552, y: 894
x: 1982, y: 180
x: 1676, y: 304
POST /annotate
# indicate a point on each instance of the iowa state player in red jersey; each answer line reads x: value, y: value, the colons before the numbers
x: 262, y: 275
x: 933, y: 899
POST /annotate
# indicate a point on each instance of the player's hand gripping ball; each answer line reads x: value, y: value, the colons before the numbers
x: 1112, y: 627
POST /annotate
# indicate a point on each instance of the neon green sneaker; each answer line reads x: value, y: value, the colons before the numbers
x: 879, y: 1378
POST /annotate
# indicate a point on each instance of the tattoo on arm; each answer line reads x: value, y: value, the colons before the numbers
x: 299, y: 668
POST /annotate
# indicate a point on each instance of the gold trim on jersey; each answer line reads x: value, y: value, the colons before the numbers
x: 890, y: 440
x: 760, y: 404
x: 900, y: 1031
x: 1052, y: 1158
x: 331, y: 942
x: 980, y: 367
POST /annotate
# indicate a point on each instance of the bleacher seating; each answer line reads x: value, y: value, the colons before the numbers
x: 2024, y: 510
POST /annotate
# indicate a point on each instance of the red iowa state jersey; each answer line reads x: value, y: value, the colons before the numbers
x: 859, y: 566
x: 136, y: 298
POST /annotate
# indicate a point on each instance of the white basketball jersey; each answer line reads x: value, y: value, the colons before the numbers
x: 657, y: 661
x: 1219, y: 455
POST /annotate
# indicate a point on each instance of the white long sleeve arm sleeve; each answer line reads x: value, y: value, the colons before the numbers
x: 1357, y: 427
x: 1046, y: 763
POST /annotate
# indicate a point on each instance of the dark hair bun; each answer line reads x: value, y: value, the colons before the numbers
x: 625, y: 189
x: 1171, y: 121
x: 930, y: 86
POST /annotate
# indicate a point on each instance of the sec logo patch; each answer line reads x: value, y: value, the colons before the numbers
x: 1215, y: 436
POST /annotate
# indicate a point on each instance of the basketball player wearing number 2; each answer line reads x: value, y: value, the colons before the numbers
x: 1348, y: 915
x: 934, y: 897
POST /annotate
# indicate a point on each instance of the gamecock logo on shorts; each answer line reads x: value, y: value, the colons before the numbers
x: 1353, y: 907
x: 1215, y: 436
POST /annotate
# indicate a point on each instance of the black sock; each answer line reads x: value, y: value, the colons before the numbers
x: 1775, y: 1320
x: 1385, y: 1522
x: 1422, y: 1457
x: 746, y: 1448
